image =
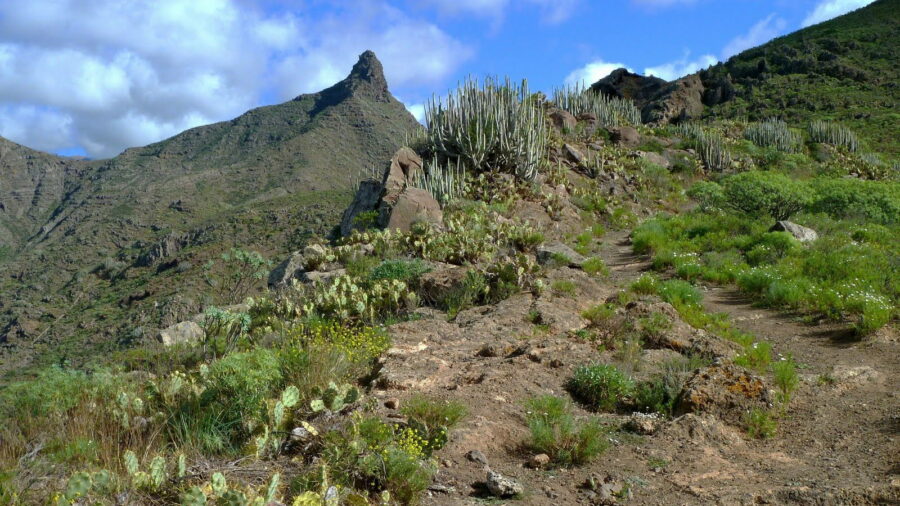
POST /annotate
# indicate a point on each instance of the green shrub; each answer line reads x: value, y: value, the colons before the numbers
x: 755, y: 356
x: 237, y: 275
x: 595, y: 266
x: 873, y: 201
x: 647, y: 284
x: 563, y: 287
x: 760, y: 424
x: 599, y: 313
x: 556, y: 432
x: 786, y: 378
x: 709, y: 195
x: 432, y: 419
x: 766, y: 193
x: 407, y: 271
x: 679, y: 293
x: 600, y: 386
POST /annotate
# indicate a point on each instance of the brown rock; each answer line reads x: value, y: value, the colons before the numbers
x: 404, y: 165
x: 626, y: 136
x: 413, y: 205
x: 392, y: 403
x: 436, y: 285
x: 727, y: 391
x: 539, y: 461
x: 679, y: 101
x: 562, y: 120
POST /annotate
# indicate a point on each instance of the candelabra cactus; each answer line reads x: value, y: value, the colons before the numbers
x: 490, y: 126
x: 609, y: 111
x: 834, y: 134
x: 775, y: 133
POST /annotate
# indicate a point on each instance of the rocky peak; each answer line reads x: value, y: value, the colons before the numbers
x: 366, y: 79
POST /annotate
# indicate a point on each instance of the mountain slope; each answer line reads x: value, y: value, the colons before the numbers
x: 260, y: 180
x: 845, y: 69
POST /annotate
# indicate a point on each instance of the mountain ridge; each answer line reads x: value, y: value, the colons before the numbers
x: 60, y: 217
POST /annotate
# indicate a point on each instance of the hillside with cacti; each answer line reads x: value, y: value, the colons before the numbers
x: 533, y: 300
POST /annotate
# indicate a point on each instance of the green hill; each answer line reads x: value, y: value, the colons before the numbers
x: 90, y: 248
x: 845, y: 69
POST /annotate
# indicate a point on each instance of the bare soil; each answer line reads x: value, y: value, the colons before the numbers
x: 839, y: 442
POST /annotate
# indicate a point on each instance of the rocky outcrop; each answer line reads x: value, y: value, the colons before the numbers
x: 392, y: 203
x: 801, y: 233
x: 562, y: 120
x: 679, y: 101
x: 181, y: 333
x: 559, y: 253
x: 659, y: 101
x: 727, y: 391
x: 625, y: 136
x: 168, y: 246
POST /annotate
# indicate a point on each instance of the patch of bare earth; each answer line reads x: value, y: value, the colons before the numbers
x: 838, y: 444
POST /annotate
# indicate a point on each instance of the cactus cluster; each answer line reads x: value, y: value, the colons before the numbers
x: 827, y: 132
x: 775, y: 133
x: 445, y: 181
x: 334, y: 398
x: 218, y: 491
x: 709, y: 144
x: 490, y: 126
x: 609, y: 111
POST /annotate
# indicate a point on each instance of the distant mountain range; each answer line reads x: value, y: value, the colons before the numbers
x: 82, y: 241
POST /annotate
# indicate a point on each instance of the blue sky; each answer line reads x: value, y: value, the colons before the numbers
x: 93, y: 77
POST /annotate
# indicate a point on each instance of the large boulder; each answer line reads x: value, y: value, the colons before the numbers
x: 183, y: 332
x: 562, y: 120
x: 559, y: 253
x: 726, y: 391
x: 625, y: 136
x: 392, y: 202
x: 287, y: 270
x: 412, y: 205
x: 437, y: 285
x: 801, y: 233
x: 404, y: 167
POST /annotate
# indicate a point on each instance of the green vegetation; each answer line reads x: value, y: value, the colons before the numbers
x: 660, y: 393
x: 608, y: 111
x: 847, y: 272
x: 493, y: 126
x: 556, y: 432
x: 600, y: 386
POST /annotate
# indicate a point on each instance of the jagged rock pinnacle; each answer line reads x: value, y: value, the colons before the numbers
x: 367, y: 76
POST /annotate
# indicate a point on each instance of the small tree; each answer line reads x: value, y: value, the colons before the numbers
x: 240, y: 271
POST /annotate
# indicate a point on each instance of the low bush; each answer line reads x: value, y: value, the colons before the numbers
x: 557, y: 433
x: 600, y: 386
x: 595, y: 266
x: 766, y: 193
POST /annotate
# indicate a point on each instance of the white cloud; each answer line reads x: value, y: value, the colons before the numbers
x: 761, y: 32
x: 679, y: 68
x: 417, y: 110
x: 593, y: 72
x: 828, y: 9
x: 109, y: 75
x: 552, y: 11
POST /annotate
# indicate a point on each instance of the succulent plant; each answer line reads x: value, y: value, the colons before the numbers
x: 489, y: 126
x: 832, y: 133
x: 775, y: 133
x: 335, y: 397
x: 609, y: 111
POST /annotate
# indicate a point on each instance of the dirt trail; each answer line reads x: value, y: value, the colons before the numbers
x: 838, y: 444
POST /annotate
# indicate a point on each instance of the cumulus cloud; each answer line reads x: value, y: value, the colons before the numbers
x: 552, y: 11
x: 679, y: 68
x: 763, y: 31
x: 828, y: 9
x: 593, y: 72
x: 108, y: 75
